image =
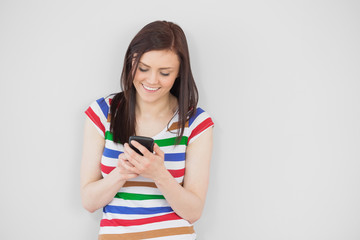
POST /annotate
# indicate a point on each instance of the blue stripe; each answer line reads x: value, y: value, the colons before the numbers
x: 103, y: 106
x: 111, y: 153
x: 174, y: 157
x: 198, y: 112
x: 171, y: 157
x: 130, y: 210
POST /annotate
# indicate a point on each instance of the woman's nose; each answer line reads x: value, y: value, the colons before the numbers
x: 153, y: 78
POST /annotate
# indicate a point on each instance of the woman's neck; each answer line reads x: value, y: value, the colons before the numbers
x: 155, y: 110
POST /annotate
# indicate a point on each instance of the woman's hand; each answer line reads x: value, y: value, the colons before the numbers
x: 151, y: 165
x: 124, y: 167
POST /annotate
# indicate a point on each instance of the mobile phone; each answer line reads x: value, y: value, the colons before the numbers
x: 145, y: 141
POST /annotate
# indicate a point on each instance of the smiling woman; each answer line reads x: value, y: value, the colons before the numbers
x: 158, y: 194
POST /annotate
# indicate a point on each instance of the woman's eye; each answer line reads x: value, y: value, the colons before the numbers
x: 142, y: 69
x: 165, y: 74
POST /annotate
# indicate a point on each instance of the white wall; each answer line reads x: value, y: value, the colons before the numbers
x: 280, y: 79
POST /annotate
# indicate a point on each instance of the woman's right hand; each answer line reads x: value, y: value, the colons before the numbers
x: 125, y: 173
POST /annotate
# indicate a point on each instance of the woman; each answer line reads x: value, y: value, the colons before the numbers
x: 152, y: 195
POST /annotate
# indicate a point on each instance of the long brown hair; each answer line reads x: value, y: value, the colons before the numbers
x: 158, y: 35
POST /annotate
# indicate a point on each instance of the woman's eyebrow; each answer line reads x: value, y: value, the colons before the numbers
x: 159, y: 68
x: 144, y: 64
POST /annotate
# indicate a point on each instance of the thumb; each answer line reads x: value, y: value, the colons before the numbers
x: 158, y: 151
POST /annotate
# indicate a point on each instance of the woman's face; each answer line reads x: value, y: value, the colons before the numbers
x: 155, y: 75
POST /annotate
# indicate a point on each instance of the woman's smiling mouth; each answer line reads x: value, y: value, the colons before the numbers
x: 150, y: 88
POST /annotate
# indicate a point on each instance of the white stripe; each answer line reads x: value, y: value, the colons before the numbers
x: 171, y: 165
x: 110, y: 162
x: 174, y: 149
x: 141, y: 190
x: 175, y: 165
x: 165, y: 134
x: 141, y: 179
x: 140, y: 203
x: 114, y: 146
x: 138, y: 179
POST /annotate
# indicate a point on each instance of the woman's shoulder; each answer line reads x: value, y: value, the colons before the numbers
x: 101, y: 106
x: 199, y: 122
x: 98, y: 112
x: 198, y: 116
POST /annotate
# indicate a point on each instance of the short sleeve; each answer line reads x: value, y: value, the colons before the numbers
x: 198, y: 124
x: 98, y: 114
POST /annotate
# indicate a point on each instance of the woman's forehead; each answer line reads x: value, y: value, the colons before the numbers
x: 160, y: 59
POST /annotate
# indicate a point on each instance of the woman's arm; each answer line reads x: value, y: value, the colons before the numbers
x: 97, y: 191
x: 187, y: 200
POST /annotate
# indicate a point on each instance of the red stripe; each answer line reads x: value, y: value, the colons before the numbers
x: 175, y: 173
x: 95, y: 118
x: 106, y: 169
x: 201, y: 127
x: 135, y: 222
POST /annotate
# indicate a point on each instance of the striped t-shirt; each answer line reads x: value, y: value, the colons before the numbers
x: 139, y: 210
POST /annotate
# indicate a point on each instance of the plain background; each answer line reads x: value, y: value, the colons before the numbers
x: 281, y: 80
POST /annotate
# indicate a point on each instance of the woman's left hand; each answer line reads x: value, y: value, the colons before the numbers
x: 151, y: 165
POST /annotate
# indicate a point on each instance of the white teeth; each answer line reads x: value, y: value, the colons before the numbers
x: 150, y: 88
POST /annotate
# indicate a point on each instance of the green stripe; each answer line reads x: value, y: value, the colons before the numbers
x: 160, y: 142
x: 108, y: 135
x: 135, y: 196
x: 171, y: 141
